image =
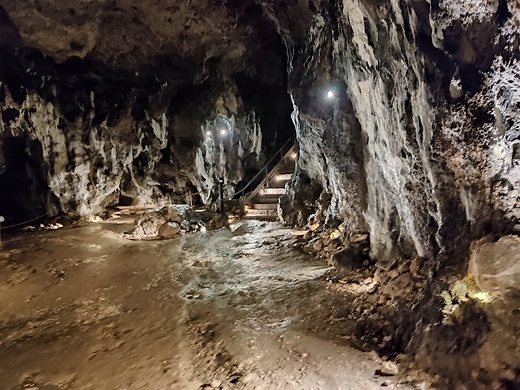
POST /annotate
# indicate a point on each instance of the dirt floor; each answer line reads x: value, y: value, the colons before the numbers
x: 84, y: 308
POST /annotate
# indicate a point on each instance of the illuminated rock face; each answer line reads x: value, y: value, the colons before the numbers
x: 139, y: 120
x: 406, y: 113
x: 418, y: 147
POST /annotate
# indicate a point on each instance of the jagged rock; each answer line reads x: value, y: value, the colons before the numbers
x: 102, y: 131
x: 164, y: 222
x: 404, y: 267
x: 359, y: 238
x: 169, y: 230
x: 417, y: 142
x: 329, y: 248
x: 147, y: 229
x: 398, y: 286
x: 416, y: 265
x: 389, y: 369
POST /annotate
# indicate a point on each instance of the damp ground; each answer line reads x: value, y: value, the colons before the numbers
x: 240, y: 308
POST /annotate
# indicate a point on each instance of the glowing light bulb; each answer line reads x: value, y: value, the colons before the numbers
x: 223, y: 132
x: 330, y: 94
x: 208, y: 133
x: 294, y: 155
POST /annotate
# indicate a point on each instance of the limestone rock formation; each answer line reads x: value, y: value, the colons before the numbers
x: 406, y: 115
x: 418, y: 143
x: 161, y: 110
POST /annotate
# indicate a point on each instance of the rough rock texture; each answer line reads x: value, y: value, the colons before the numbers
x: 418, y: 147
x: 418, y: 144
x: 110, y: 121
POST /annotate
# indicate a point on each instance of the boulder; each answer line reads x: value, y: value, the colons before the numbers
x: 147, y: 229
x: 496, y: 265
x: 169, y: 230
x: 389, y: 369
x: 169, y: 214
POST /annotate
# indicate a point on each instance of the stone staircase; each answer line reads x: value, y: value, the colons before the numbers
x: 262, y: 203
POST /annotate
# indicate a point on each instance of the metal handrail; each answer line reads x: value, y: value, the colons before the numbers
x: 268, y: 177
x: 24, y: 223
x: 242, y: 191
x: 264, y: 168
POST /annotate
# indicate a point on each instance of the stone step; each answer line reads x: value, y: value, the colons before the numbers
x: 272, y: 191
x: 261, y: 212
x: 283, y: 177
x: 265, y: 206
x: 262, y: 217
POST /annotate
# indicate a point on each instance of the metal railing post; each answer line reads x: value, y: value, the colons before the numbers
x: 221, y: 193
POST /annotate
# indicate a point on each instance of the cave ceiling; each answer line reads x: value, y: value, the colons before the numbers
x: 190, y: 36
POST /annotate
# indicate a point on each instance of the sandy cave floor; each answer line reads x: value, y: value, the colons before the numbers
x: 84, y: 308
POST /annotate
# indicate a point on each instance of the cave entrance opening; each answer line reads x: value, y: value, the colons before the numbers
x: 23, y: 191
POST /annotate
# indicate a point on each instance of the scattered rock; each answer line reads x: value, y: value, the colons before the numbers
x: 165, y: 222
x: 318, y: 245
x: 388, y: 369
x: 329, y: 248
x: 404, y: 267
x: 402, y: 281
x: 169, y: 214
x: 359, y: 238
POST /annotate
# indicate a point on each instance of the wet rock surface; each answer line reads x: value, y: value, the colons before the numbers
x: 220, y: 310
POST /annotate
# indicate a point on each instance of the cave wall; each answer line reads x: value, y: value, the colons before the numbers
x: 105, y: 137
x: 425, y: 113
x: 418, y: 146
x: 120, y: 122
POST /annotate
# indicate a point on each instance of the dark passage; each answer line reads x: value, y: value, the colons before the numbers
x: 23, y: 191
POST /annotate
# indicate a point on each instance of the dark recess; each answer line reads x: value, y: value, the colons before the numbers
x: 23, y: 191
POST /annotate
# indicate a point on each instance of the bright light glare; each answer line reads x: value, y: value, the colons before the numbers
x: 223, y: 132
x: 330, y: 94
x: 294, y: 155
x: 208, y: 133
